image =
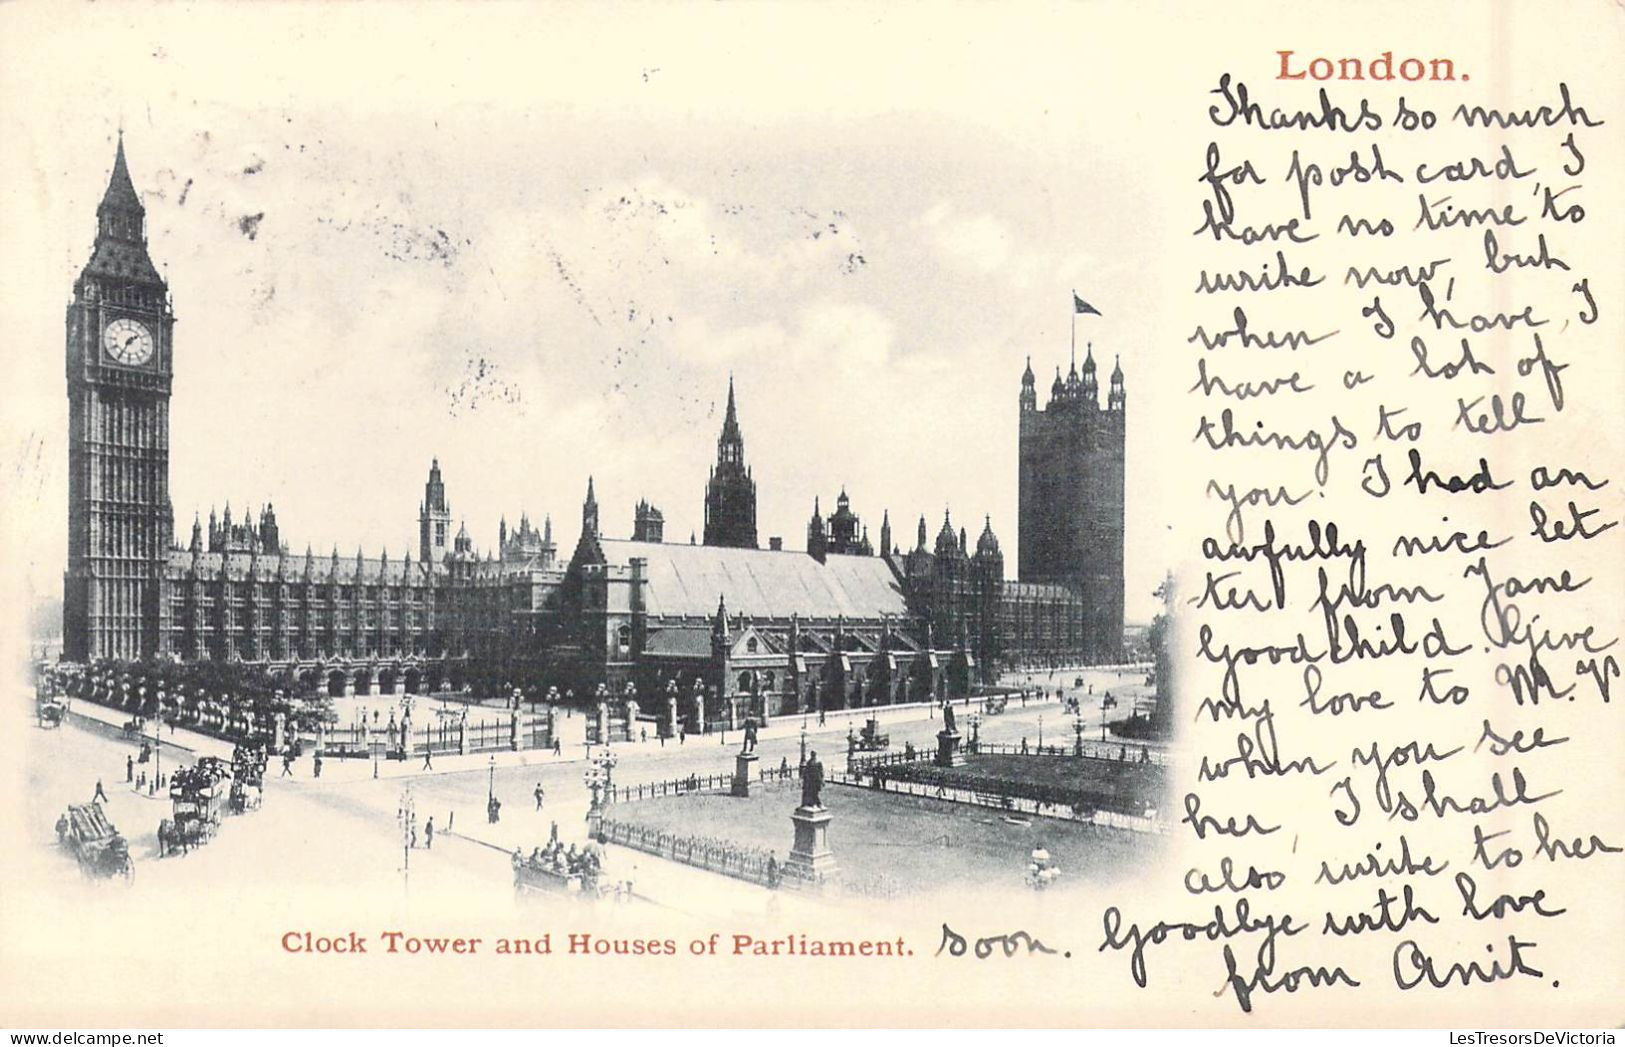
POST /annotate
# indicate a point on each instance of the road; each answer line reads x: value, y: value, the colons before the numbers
x: 343, y: 831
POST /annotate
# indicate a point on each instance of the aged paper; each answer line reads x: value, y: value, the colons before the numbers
x: 807, y: 515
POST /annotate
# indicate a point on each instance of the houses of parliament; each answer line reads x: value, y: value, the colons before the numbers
x: 732, y: 627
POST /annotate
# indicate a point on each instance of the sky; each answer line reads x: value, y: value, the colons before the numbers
x: 540, y: 253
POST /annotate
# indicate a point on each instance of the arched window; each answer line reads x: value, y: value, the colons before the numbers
x: 767, y: 681
x: 751, y: 646
x: 623, y: 637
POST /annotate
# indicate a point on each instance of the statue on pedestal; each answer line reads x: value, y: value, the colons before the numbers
x: 812, y: 781
x: 947, y: 716
x: 750, y: 736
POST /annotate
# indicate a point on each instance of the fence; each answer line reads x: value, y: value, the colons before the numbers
x: 1117, y: 753
x: 1007, y: 802
x: 695, y: 783
x: 862, y: 762
x: 443, y: 737
x: 753, y: 864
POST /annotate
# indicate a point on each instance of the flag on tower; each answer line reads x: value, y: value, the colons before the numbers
x: 1079, y: 306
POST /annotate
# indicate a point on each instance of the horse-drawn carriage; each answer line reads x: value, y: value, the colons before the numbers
x: 197, y: 797
x: 247, y: 778
x: 994, y: 704
x: 870, y: 739
x: 245, y: 797
x: 93, y: 841
x: 51, y: 713
x: 557, y: 870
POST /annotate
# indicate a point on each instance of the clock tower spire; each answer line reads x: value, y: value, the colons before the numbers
x: 119, y: 370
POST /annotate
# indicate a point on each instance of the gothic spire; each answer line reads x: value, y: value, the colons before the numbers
x: 121, y: 192
x: 589, y: 513
x: 730, y: 421
x: 988, y: 543
x: 719, y: 624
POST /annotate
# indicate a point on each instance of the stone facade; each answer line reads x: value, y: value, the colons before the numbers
x: 1070, y: 499
x: 703, y: 633
x: 120, y: 368
x: 730, y: 493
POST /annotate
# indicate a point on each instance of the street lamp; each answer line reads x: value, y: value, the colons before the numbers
x: 803, y: 762
x: 1040, y: 732
x: 408, y: 819
x: 491, y: 780
x: 157, y: 748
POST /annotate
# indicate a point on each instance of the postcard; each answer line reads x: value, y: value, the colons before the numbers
x: 806, y: 515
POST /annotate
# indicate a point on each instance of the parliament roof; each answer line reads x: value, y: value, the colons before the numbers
x: 688, y: 580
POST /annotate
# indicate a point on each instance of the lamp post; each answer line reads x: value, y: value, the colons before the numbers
x: 1040, y: 732
x: 408, y: 820
x: 157, y: 748
x: 803, y: 762
x: 491, y: 780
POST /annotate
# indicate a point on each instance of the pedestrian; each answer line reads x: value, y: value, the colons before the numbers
x: 682, y: 737
x: 820, y: 717
x: 101, y: 794
x: 540, y: 794
x: 428, y: 834
x: 662, y: 739
x: 428, y: 758
x: 316, y: 765
x: 129, y: 769
x: 287, y: 764
x: 558, y: 747
x: 643, y: 734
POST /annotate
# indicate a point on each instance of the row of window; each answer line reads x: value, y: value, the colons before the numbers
x: 238, y: 593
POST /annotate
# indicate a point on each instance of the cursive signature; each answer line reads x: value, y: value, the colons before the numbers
x: 1014, y: 943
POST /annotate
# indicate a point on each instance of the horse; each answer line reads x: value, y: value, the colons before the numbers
x: 171, y: 837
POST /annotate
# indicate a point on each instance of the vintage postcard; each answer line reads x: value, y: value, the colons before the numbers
x: 795, y: 515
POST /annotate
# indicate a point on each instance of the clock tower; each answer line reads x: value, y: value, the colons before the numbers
x: 120, y: 365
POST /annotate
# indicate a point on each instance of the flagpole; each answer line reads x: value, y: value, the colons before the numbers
x: 1074, y: 324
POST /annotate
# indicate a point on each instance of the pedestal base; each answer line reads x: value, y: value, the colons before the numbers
x: 949, y: 753
x: 744, y: 764
x: 811, y: 863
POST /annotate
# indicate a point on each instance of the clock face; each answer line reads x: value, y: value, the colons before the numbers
x: 127, y: 342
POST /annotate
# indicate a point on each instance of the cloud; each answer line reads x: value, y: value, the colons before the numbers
x: 843, y: 335
x: 979, y: 242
